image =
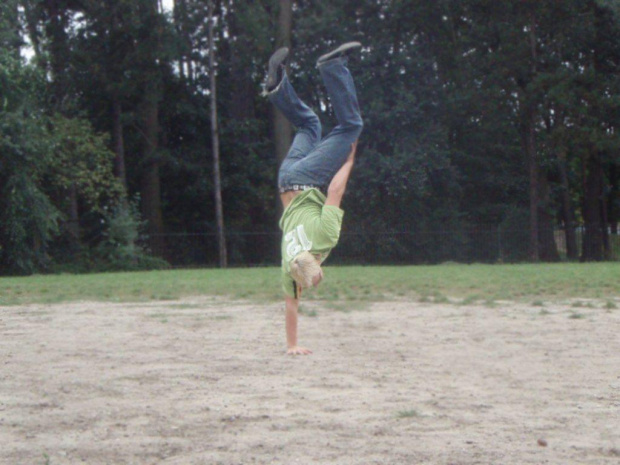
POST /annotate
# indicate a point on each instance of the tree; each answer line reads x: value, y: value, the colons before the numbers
x: 479, y: 116
x: 215, y: 140
x: 28, y: 220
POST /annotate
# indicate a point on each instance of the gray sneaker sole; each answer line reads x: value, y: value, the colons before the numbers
x: 274, y: 62
x: 344, y: 49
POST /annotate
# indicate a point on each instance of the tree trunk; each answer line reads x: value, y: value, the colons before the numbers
x: 118, y: 141
x: 178, y: 8
x: 215, y: 140
x: 529, y: 146
x: 593, y: 241
x: 567, y: 210
x: 73, y: 219
x: 596, y: 240
x: 604, y: 219
x: 149, y: 111
x: 614, y: 200
x: 548, y: 251
x: 151, y: 189
x: 12, y: 18
x: 283, y: 130
x: 58, y: 47
x: 31, y: 12
x: 181, y: 23
x: 55, y: 29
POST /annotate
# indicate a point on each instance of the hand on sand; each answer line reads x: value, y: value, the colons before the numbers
x: 298, y: 351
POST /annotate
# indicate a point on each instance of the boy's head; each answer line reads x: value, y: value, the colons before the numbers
x: 306, y: 270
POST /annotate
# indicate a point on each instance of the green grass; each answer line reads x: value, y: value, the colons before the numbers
x: 407, y: 414
x: 433, y: 284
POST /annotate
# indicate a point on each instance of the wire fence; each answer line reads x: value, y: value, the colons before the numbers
x: 473, y: 245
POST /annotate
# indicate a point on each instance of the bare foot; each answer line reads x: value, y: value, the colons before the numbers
x: 298, y: 351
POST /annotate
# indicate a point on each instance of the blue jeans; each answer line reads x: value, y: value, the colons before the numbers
x: 313, y: 161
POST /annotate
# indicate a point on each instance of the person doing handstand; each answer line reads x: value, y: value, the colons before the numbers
x: 311, y: 221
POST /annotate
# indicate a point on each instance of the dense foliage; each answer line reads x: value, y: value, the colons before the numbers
x: 490, y: 129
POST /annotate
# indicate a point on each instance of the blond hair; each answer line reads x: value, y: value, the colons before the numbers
x: 304, y: 267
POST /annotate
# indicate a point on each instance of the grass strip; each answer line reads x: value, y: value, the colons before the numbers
x: 468, y: 283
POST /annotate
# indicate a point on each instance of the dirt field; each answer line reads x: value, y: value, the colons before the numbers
x: 206, y: 382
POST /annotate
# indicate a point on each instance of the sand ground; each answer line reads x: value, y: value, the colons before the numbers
x: 205, y: 381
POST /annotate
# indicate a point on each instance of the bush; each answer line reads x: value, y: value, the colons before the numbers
x: 120, y: 250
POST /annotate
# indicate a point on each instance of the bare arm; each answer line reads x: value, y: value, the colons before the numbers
x: 292, y: 306
x: 338, y: 185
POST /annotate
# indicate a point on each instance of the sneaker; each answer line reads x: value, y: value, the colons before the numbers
x: 343, y: 50
x: 275, y: 69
